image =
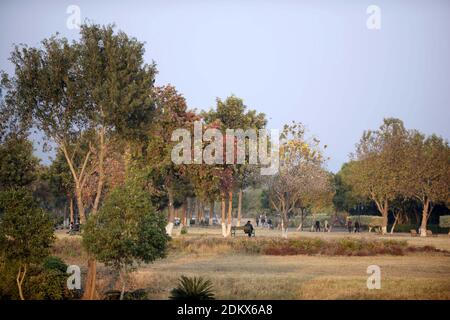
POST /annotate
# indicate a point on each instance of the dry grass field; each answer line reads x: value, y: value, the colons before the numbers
x: 421, y: 275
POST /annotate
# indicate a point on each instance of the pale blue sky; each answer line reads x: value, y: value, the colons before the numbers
x: 309, y: 61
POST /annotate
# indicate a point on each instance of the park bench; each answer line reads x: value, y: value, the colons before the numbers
x: 243, y: 228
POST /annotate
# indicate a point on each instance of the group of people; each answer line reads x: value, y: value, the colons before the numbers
x: 352, y: 228
x: 326, y: 226
x: 262, y: 221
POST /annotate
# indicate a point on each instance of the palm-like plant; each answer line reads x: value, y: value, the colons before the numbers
x: 194, y: 288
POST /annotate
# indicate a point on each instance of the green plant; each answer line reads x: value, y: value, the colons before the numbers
x: 184, y: 230
x: 126, y: 231
x: 26, y: 233
x: 194, y: 288
x: 54, y: 263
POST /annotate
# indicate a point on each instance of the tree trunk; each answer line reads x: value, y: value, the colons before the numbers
x: 71, y: 219
x: 395, y: 222
x: 211, y: 212
x: 80, y: 205
x: 19, y: 280
x: 169, y: 226
x: 223, y: 208
x: 239, y: 214
x: 89, y: 291
x: 284, y: 227
x: 230, y: 213
x: 91, y: 278
x: 189, y: 211
x: 123, y: 283
x: 425, y: 214
x: 183, y: 214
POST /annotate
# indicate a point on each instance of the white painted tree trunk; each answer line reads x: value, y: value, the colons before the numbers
x: 169, y: 228
x: 228, y: 231
x: 383, y: 230
x: 423, y: 232
x: 224, y: 229
x: 284, y: 230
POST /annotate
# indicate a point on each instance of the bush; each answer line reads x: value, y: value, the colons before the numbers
x: 193, y: 289
x: 444, y: 221
x: 139, y: 294
x: 184, y: 230
x: 293, y: 246
x: 54, y: 263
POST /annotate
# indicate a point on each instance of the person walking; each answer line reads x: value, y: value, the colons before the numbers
x: 349, y: 226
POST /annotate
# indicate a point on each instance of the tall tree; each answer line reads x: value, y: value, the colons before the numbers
x: 171, y: 113
x: 378, y: 166
x: 233, y: 114
x: 98, y: 84
x: 300, y: 178
x: 428, y: 173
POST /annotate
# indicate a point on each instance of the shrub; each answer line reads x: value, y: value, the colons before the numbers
x: 54, y: 263
x: 184, y: 230
x: 193, y: 289
x: 444, y: 221
x: 139, y: 294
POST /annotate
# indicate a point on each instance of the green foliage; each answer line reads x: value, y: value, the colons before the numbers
x: 47, y: 281
x: 26, y: 232
x: 18, y: 165
x: 195, y: 288
x: 126, y: 230
x: 444, y: 221
x: 184, y: 230
x: 138, y: 294
x: 54, y: 263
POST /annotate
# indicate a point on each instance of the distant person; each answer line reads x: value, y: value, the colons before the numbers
x: 257, y: 221
x: 263, y: 221
x: 326, y: 227
x: 317, y: 228
x: 349, y: 226
x: 248, y: 228
x: 269, y: 223
x: 357, y: 226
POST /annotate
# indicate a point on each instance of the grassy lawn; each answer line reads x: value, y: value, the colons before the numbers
x: 424, y: 275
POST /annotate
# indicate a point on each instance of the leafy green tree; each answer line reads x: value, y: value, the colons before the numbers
x: 26, y: 232
x: 301, y: 179
x: 126, y: 231
x: 18, y: 165
x: 97, y: 86
x: 427, y: 164
x: 379, y: 167
x: 233, y: 114
x: 171, y: 113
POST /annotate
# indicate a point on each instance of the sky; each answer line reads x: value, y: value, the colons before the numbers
x: 315, y: 62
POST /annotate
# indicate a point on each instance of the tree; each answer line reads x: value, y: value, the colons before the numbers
x: 171, y: 113
x: 26, y: 232
x: 301, y: 178
x: 378, y: 166
x: 233, y: 114
x: 428, y: 168
x: 126, y: 231
x: 18, y: 165
x: 98, y: 86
